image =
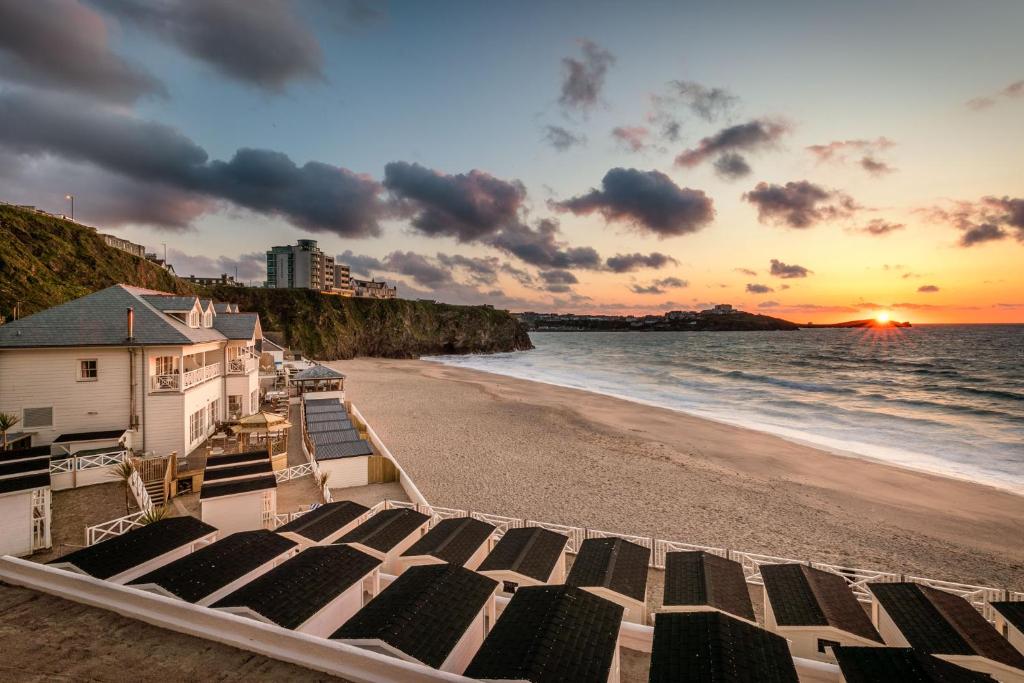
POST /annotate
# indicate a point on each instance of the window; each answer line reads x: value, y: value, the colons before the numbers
x: 509, y: 586
x: 193, y: 318
x: 235, y: 406
x: 164, y: 365
x: 207, y: 319
x: 37, y: 417
x: 825, y: 645
x: 87, y: 370
x: 197, y: 425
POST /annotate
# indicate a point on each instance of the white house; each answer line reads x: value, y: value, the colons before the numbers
x: 552, y: 633
x: 324, y: 524
x: 314, y: 592
x: 161, y: 367
x: 1010, y: 622
x: 24, y: 501
x: 697, y: 581
x: 239, y: 492
x: 436, y: 614
x: 388, y: 534
x: 526, y: 556
x: 814, y: 610
x: 461, y: 541
x: 139, y: 551
x: 615, y: 569
x: 205, y: 576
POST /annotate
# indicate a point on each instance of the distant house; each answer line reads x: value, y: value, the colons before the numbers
x: 124, y: 245
x: 615, y: 569
x: 461, y: 541
x: 224, y: 280
x: 371, y: 289
x: 699, y: 581
x: 387, y: 534
x: 720, y: 309
x: 527, y: 556
x: 239, y: 492
x: 24, y: 501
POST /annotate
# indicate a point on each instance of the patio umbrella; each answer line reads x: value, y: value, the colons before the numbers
x: 262, y: 423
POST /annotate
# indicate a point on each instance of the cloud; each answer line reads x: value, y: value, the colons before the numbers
x: 768, y: 304
x: 799, y: 204
x: 419, y: 268
x: 875, y: 167
x: 584, y: 78
x: 986, y: 220
x: 518, y: 274
x: 879, y: 227
x: 627, y: 263
x: 840, y: 150
x: 466, y: 206
x: 1012, y: 91
x: 631, y: 138
x: 557, y: 277
x: 360, y: 265
x: 646, y: 200
x: 709, y: 104
x: 928, y: 289
x: 563, y: 139
x: 751, y: 136
x: 979, y: 234
x: 731, y: 166
x: 755, y: 288
x: 540, y: 247
x: 659, y: 286
x: 788, y: 271
x: 481, y: 270
x: 262, y: 43
x: 316, y: 196
x: 62, y: 44
x: 746, y: 271
x: 252, y: 266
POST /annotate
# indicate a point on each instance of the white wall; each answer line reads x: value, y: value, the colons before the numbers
x: 462, y: 654
x: 346, y: 472
x: 335, y: 613
x: 240, y: 512
x: 16, y: 523
x: 634, y: 611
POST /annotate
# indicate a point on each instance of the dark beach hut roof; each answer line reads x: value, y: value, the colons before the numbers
x: 230, y: 488
x: 247, y: 469
x: 386, y: 529
x: 424, y: 612
x: 612, y: 563
x: 294, y: 591
x: 335, y: 424
x: 551, y: 634
x: 346, y: 449
x: 702, y: 578
x: 91, y: 436
x: 530, y: 551
x: 326, y: 407
x: 452, y: 540
x: 325, y: 520
x: 873, y: 664
x: 119, y: 554
x: 804, y: 596
x: 1013, y: 612
x: 236, y: 458
x: 712, y: 647
x: 941, y: 623
x: 24, y: 472
x: 207, y: 570
x: 336, y: 436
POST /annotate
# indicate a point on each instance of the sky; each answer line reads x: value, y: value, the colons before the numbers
x: 816, y: 161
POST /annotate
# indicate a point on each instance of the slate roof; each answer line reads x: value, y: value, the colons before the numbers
x: 712, y: 647
x: 320, y: 523
x: 27, y: 482
x: 612, y: 563
x: 334, y: 424
x: 230, y: 488
x: 386, y: 529
x: 804, y: 596
x: 1013, y: 612
x: 207, y: 570
x: 24, y: 466
x: 294, y: 591
x: 551, y: 634
x: 530, y: 551
x: 116, y: 555
x: 701, y: 578
x: 941, y: 623
x: 22, y: 453
x: 99, y: 319
x: 326, y: 406
x: 317, y: 372
x: 424, y: 612
x: 237, y: 325
x: 170, y: 302
x: 90, y: 436
x: 324, y: 438
x: 243, y: 470
x: 225, y: 307
x: 321, y: 401
x: 452, y: 540
x: 874, y: 664
x: 235, y: 458
x: 347, y: 449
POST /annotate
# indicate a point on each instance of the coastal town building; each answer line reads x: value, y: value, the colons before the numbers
x: 343, y: 279
x: 699, y: 581
x: 124, y: 245
x: 615, y: 569
x: 163, y: 263
x: 300, y: 266
x: 223, y: 280
x: 372, y: 289
x: 461, y: 541
x: 152, y: 371
x: 526, y: 556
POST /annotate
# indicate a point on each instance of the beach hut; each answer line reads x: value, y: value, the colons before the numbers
x: 314, y: 592
x: 552, y: 633
x: 1010, y: 622
x: 137, y: 552
x: 324, y: 524
x: 714, y: 647
x: 945, y: 625
x: 319, y: 381
x: 815, y: 610
x: 874, y: 664
x: 388, y: 534
x: 462, y: 541
x: 526, y: 556
x: 698, y: 581
x: 434, y: 614
x: 615, y: 569
x: 239, y: 492
x: 24, y: 501
x: 211, y: 572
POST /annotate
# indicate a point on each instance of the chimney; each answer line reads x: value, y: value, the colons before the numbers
x: 131, y: 324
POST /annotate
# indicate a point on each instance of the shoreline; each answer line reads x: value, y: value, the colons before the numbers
x: 498, y: 444
x: 780, y: 433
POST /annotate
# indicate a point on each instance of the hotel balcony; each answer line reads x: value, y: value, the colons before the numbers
x: 242, y: 366
x: 181, y: 381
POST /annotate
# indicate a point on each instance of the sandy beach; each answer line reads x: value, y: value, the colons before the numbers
x: 496, y: 444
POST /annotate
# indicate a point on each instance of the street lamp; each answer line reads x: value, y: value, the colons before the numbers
x: 71, y: 198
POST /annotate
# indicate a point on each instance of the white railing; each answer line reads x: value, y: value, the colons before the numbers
x: 501, y: 524
x: 41, y: 516
x: 241, y: 366
x: 199, y: 375
x: 294, y: 472
x: 109, y: 459
x: 62, y: 466
x: 138, y: 489
x: 115, y: 527
x: 166, y: 382
x: 662, y: 548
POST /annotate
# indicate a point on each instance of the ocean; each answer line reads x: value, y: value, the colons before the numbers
x: 947, y: 399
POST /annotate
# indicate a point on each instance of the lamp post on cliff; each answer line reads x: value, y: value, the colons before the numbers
x: 71, y: 198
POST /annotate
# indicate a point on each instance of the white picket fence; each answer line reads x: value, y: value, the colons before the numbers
x: 87, y: 462
x: 294, y: 472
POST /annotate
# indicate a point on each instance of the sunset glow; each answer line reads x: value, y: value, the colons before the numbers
x: 882, y: 317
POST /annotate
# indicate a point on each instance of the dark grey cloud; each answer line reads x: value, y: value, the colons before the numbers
x: 981, y: 233
x: 875, y: 167
x: 788, y: 271
x: 647, y: 200
x: 358, y: 264
x: 799, y: 204
x: 731, y: 166
x: 518, y: 274
x: 986, y: 220
x: 481, y: 270
x: 751, y: 136
x: 540, y: 247
x: 768, y: 304
x: 422, y: 271
x: 466, y: 206
x: 659, y: 286
x: 1010, y: 92
x: 62, y: 44
x: 840, y: 150
x: 557, y: 277
x: 563, y: 139
x: 879, y: 227
x: 626, y: 263
x: 746, y: 271
x: 755, y: 288
x: 263, y: 43
x: 928, y: 289
x: 631, y: 138
x: 249, y: 267
x: 316, y: 196
x: 584, y: 78
x: 710, y: 104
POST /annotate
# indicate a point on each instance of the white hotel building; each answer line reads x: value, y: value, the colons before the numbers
x: 157, y: 369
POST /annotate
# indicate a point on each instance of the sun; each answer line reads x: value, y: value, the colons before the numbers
x: 882, y: 317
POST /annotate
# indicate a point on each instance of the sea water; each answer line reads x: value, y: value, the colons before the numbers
x: 947, y: 399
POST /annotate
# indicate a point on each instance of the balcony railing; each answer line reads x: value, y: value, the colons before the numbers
x: 174, y: 381
x: 241, y: 366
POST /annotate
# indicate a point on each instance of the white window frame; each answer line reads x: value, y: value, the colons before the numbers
x: 81, y: 367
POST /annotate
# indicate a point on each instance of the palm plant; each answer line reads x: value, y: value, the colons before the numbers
x: 124, y: 471
x: 321, y: 480
x: 7, y: 422
x: 154, y: 514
